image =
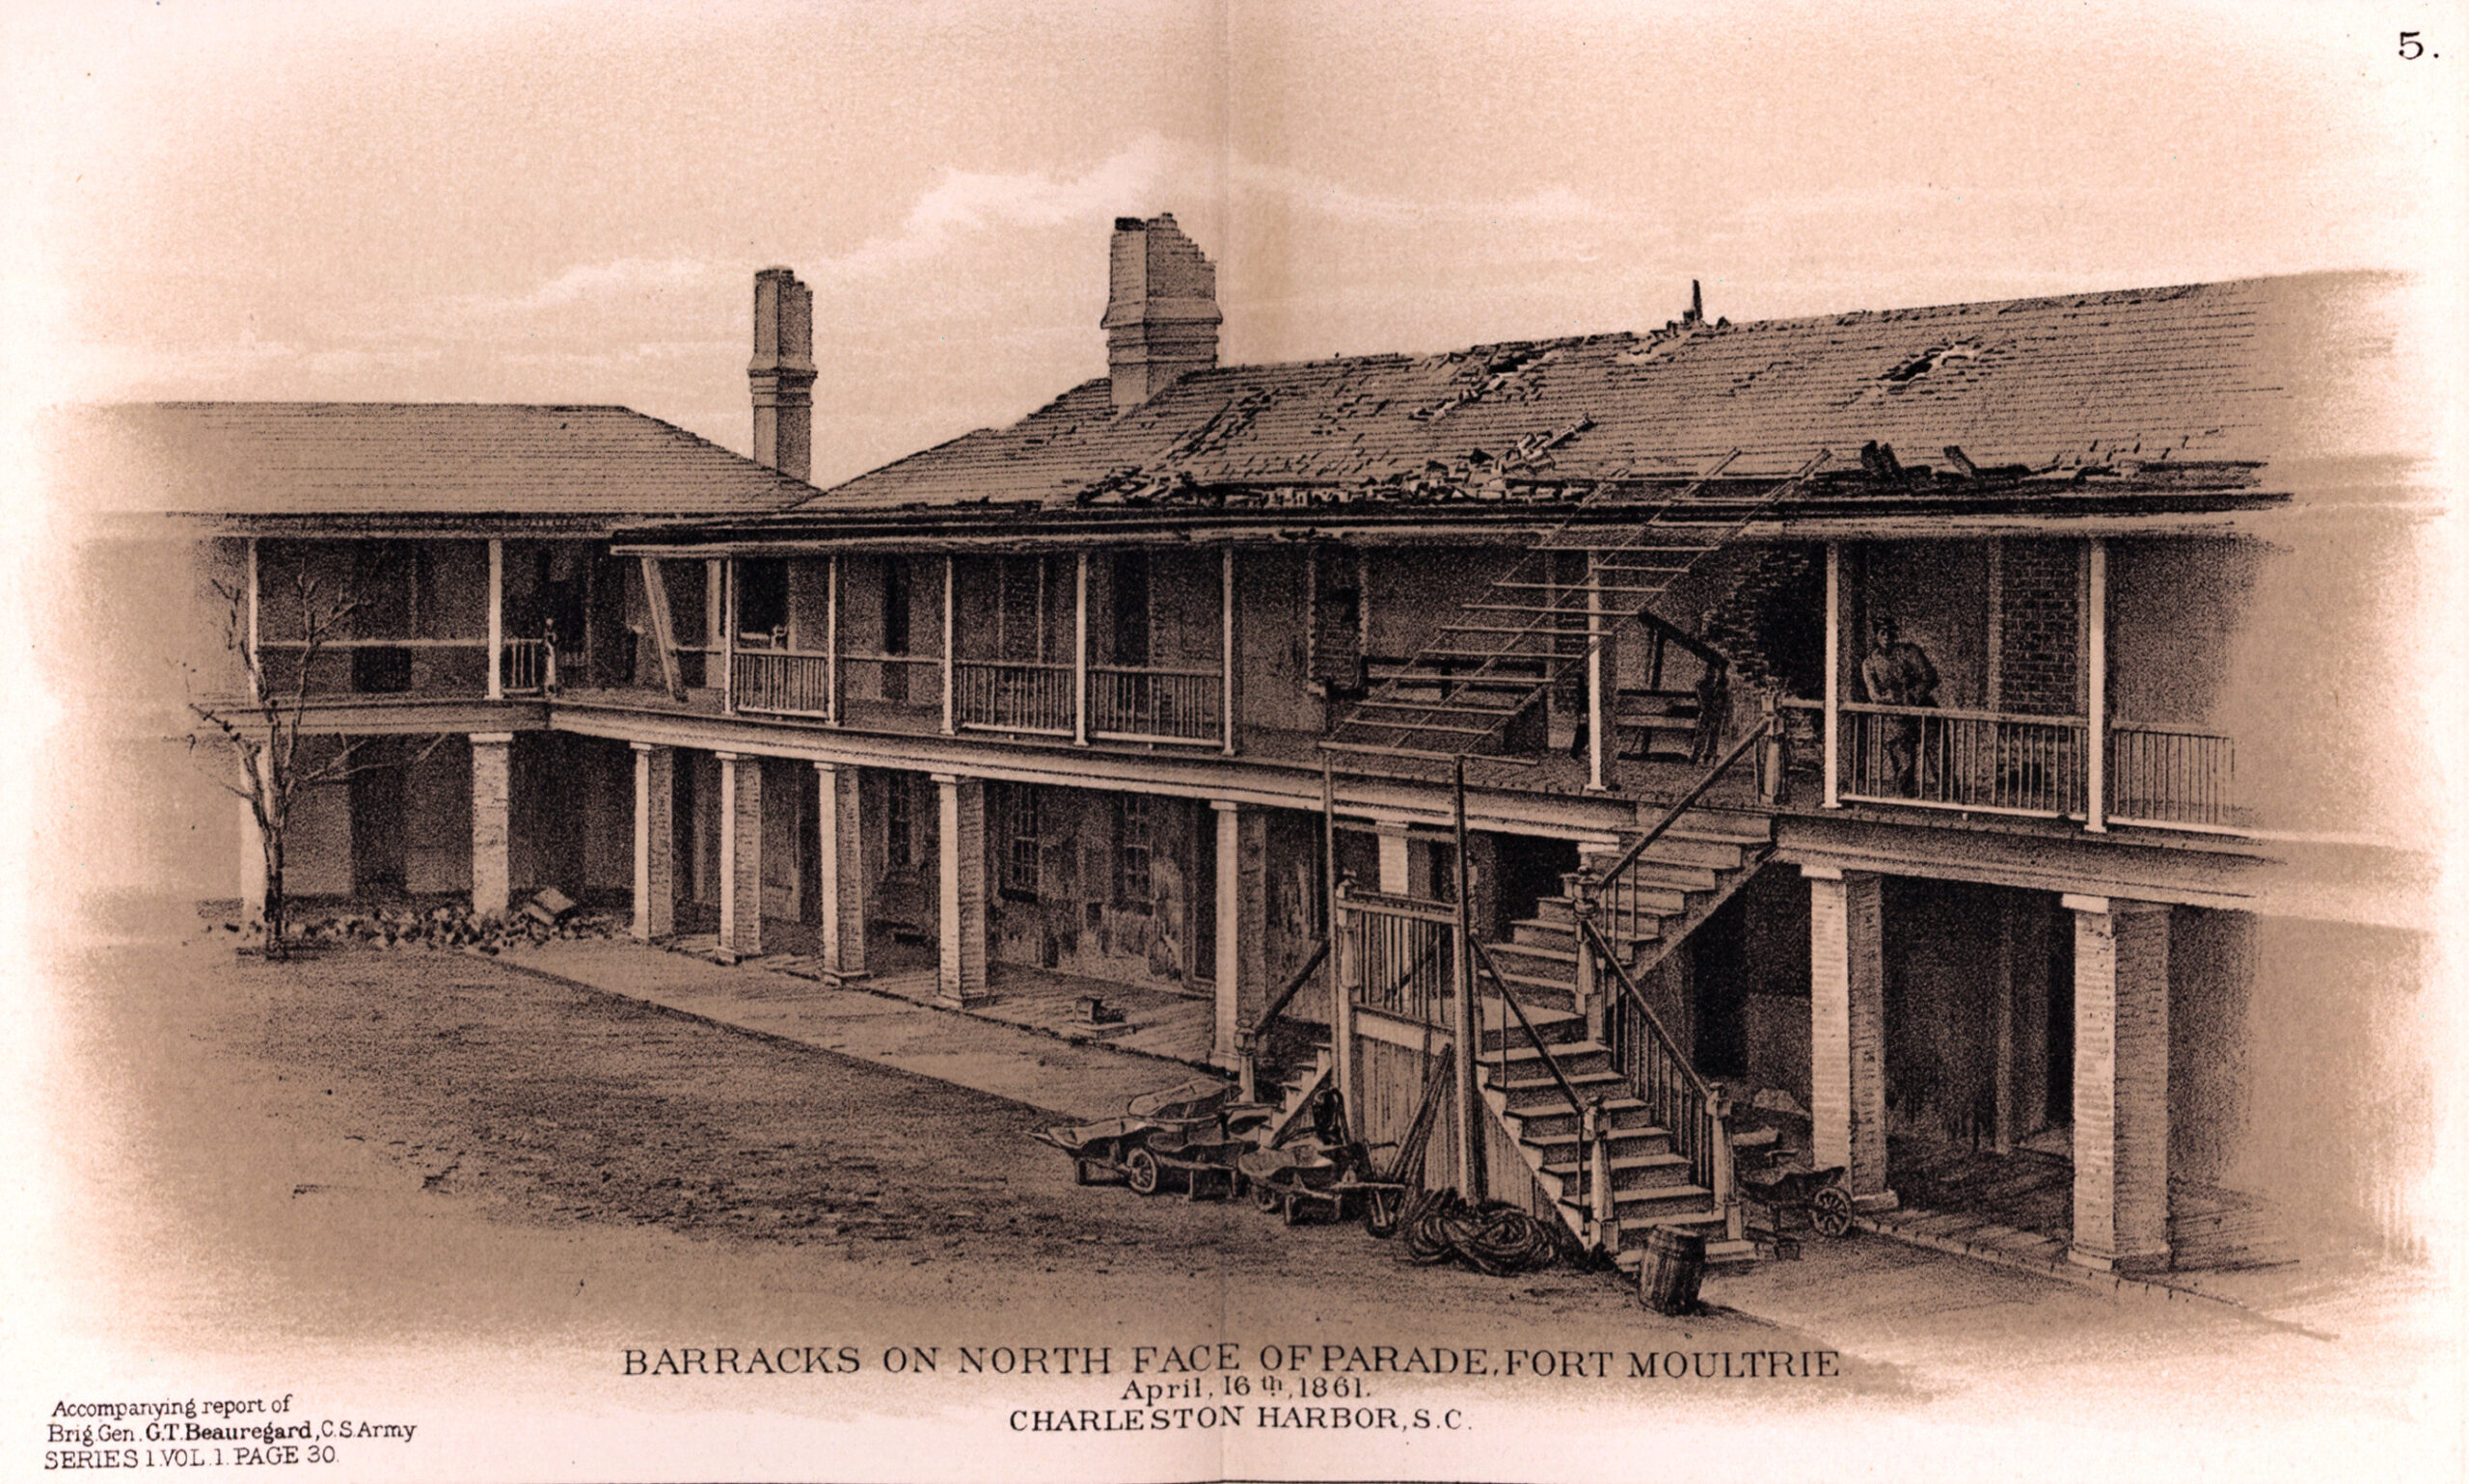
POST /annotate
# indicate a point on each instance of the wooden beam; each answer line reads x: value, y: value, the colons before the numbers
x: 656, y: 598
x: 497, y: 619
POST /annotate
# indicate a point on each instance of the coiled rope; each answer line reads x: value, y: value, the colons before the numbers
x: 1493, y: 1239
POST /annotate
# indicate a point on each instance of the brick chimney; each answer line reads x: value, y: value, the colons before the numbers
x: 783, y: 372
x: 1161, y: 307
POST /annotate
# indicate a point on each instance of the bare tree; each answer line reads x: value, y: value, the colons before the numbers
x: 259, y: 735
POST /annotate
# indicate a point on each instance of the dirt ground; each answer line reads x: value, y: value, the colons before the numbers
x: 448, y: 1179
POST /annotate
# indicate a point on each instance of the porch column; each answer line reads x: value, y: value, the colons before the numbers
x: 497, y: 619
x: 1833, y: 730
x: 841, y: 886
x: 831, y: 640
x: 728, y: 634
x: 1242, y: 923
x: 1597, y: 661
x: 2096, y: 675
x: 255, y: 655
x: 1396, y: 871
x: 492, y: 821
x: 950, y: 699
x: 741, y: 853
x: 655, y: 841
x: 1847, y: 1032
x: 1080, y: 649
x: 1230, y: 655
x: 2121, y: 1084
x: 960, y: 976
x: 253, y: 866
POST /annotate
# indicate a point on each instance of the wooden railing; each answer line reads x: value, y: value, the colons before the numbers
x: 529, y: 667
x: 1249, y: 1039
x: 1616, y: 893
x: 1147, y: 704
x: 1592, y: 1136
x: 1692, y: 1110
x: 1990, y: 762
x: 785, y: 683
x: 2169, y: 775
x: 1401, y: 955
x: 1012, y: 696
x: 898, y: 680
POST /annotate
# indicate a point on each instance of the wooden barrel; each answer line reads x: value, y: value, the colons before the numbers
x: 1675, y: 1261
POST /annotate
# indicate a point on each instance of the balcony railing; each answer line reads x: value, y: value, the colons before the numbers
x: 1989, y: 762
x: 785, y: 683
x: 1013, y: 697
x: 1155, y: 705
x: 527, y: 667
x: 2169, y: 775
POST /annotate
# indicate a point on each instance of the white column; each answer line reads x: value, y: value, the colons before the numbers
x: 960, y: 973
x: 1833, y: 731
x: 1597, y: 714
x: 831, y: 639
x: 497, y: 619
x: 492, y: 823
x: 1847, y: 1032
x: 253, y: 866
x: 951, y: 700
x: 729, y: 636
x: 1242, y: 923
x: 655, y: 841
x: 741, y: 853
x: 841, y: 889
x: 1080, y: 649
x: 2121, y: 1084
x: 2096, y: 671
x: 1229, y: 654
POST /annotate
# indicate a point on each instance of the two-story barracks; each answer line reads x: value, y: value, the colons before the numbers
x: 2080, y: 620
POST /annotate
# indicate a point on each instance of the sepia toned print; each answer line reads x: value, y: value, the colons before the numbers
x: 1727, y: 881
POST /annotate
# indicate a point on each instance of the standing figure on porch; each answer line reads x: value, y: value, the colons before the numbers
x: 1898, y: 673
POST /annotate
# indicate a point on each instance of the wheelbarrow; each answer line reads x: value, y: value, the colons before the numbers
x: 1192, y: 1130
x: 1815, y: 1196
x: 1298, y: 1179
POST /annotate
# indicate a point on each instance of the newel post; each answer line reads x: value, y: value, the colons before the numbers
x: 1774, y: 758
x: 1725, y: 1184
x: 1603, y: 1215
x: 1346, y: 976
x: 1582, y: 908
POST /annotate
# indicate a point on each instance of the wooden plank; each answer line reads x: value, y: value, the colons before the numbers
x: 656, y: 597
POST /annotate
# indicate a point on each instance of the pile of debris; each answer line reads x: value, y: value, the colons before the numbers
x: 545, y: 917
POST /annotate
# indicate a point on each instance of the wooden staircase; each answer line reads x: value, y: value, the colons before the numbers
x: 1682, y: 875
x: 1467, y: 690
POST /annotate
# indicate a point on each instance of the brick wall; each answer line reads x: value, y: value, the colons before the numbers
x: 2039, y: 640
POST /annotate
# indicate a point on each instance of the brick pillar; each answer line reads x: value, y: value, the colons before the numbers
x: 2121, y: 1084
x: 960, y: 976
x: 741, y: 853
x: 1242, y: 923
x: 655, y: 841
x: 1847, y: 1032
x: 841, y: 890
x: 492, y: 823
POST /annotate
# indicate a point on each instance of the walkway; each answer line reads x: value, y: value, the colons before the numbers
x: 1027, y: 1063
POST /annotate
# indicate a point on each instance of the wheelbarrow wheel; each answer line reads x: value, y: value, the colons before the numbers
x: 1265, y: 1194
x: 1830, y: 1211
x: 1292, y: 1211
x: 1140, y: 1171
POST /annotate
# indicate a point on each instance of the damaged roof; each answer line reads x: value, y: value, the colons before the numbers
x: 442, y: 460
x: 2116, y: 382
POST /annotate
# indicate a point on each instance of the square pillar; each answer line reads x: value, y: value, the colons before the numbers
x: 1397, y: 874
x: 841, y: 889
x: 1847, y: 1031
x: 253, y: 866
x: 492, y: 823
x: 960, y: 976
x: 1242, y: 923
x: 655, y: 841
x: 741, y: 853
x: 2121, y: 1084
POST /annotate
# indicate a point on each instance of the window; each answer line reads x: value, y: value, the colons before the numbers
x: 899, y: 831
x: 1131, y: 608
x: 1024, y: 843
x: 1136, y: 850
x: 763, y: 601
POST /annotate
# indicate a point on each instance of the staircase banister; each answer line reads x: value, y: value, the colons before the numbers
x: 1686, y: 640
x: 1638, y: 996
x: 1551, y: 1063
x: 1686, y: 802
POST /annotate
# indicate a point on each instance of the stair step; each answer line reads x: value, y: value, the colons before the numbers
x: 1574, y: 1057
x: 1559, y: 949
x: 1677, y: 849
x: 1629, y: 1172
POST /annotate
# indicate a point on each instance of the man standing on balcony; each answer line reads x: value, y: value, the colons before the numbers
x: 1898, y: 673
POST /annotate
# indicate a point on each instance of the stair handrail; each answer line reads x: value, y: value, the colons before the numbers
x: 1248, y: 1039
x: 1551, y: 1063
x: 1766, y: 725
x: 1721, y: 1176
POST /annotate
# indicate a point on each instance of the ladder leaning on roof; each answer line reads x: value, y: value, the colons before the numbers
x: 1533, y: 628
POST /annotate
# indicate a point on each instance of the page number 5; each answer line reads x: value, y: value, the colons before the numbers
x: 2412, y: 48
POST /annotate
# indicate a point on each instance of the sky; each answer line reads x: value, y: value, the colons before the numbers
x: 566, y: 204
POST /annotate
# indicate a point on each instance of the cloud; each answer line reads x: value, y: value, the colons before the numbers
x: 1551, y: 205
x: 963, y: 203
x: 598, y: 283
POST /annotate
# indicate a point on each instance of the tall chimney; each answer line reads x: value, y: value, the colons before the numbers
x: 1161, y: 307
x: 783, y: 372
